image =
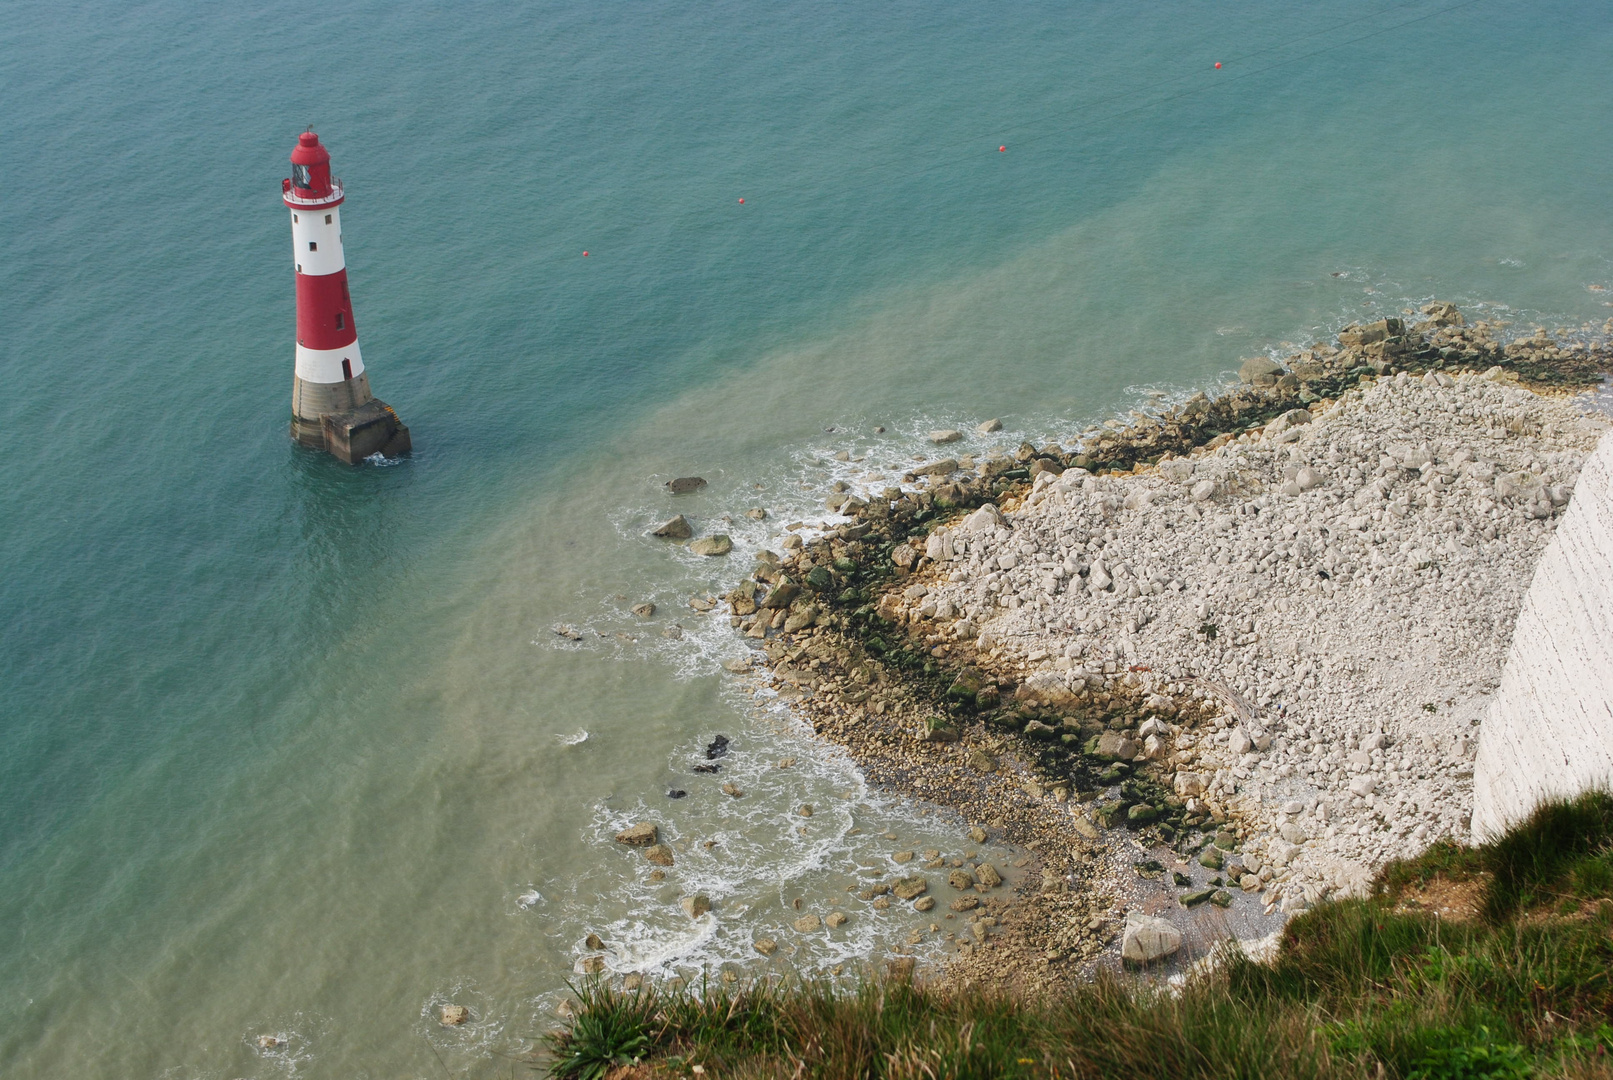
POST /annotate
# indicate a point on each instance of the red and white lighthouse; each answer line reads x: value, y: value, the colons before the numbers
x: 331, y: 404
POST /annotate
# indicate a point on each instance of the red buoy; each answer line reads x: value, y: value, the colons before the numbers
x: 1218, y: 63
x: 585, y: 254
x: 1002, y: 149
x: 741, y: 202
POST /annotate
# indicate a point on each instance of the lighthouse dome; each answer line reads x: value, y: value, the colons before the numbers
x: 310, y: 167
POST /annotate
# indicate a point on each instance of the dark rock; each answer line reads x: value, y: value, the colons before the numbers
x: 676, y: 529
x: 676, y: 793
x: 685, y: 484
x: 717, y: 748
x: 1196, y: 897
x: 966, y: 685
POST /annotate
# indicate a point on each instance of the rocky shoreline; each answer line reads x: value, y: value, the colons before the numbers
x: 1211, y: 666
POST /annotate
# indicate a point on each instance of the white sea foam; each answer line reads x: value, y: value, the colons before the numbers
x: 763, y: 857
x: 574, y: 738
x: 288, y: 1044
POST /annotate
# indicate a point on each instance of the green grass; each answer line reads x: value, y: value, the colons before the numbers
x: 1360, y: 988
x: 1563, y: 844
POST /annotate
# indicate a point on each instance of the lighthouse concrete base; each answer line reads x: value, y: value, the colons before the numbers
x: 311, y: 402
x: 372, y: 428
x: 346, y: 419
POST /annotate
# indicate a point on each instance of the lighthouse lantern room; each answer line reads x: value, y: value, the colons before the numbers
x: 331, y: 404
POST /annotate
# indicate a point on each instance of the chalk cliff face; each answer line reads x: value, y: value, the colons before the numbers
x: 1550, y: 726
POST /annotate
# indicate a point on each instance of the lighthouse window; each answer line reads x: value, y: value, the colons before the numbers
x: 299, y: 176
x: 327, y: 219
x: 312, y: 246
x: 341, y: 320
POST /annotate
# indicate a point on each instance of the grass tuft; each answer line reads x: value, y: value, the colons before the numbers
x: 612, y: 1028
x: 1538, y: 859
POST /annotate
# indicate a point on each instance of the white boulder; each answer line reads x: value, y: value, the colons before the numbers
x: 1147, y: 938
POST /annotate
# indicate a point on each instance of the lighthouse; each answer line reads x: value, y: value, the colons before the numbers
x: 331, y: 405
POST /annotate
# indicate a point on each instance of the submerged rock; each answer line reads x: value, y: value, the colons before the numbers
x: 908, y: 888
x: 683, y: 485
x: 641, y: 835
x: 716, y: 544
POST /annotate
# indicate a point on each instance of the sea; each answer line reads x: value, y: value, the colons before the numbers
x: 291, y: 753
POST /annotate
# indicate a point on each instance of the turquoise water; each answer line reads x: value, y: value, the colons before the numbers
x: 288, y: 745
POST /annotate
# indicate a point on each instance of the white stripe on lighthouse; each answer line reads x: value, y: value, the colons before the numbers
x: 315, y: 246
x: 325, y: 365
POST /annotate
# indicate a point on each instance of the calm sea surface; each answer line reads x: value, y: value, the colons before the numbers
x: 290, y: 748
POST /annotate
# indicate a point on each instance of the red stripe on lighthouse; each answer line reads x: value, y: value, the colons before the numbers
x: 324, y: 312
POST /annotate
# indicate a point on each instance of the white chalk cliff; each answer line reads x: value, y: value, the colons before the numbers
x: 1549, y: 731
